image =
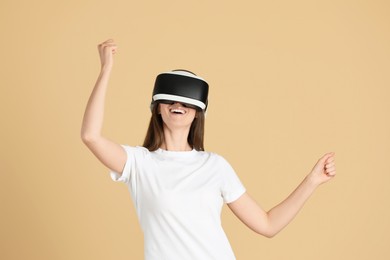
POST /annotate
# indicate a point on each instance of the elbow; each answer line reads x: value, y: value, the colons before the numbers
x: 88, y: 138
x: 85, y: 138
x: 268, y: 233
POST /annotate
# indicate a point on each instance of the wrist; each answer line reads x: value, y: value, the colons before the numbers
x: 105, y: 68
x: 311, y: 182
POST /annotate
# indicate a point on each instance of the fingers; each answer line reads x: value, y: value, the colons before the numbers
x: 110, y: 44
x: 330, y: 168
x: 106, y: 51
x: 327, y: 161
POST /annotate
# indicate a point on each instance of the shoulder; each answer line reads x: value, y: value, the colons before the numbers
x: 215, y: 155
x: 217, y: 159
x: 136, y: 150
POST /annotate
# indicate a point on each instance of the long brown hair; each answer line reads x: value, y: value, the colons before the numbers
x: 155, y: 135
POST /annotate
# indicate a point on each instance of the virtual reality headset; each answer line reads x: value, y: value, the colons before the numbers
x: 180, y: 86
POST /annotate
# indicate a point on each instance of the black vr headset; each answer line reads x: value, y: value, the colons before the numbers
x: 181, y: 86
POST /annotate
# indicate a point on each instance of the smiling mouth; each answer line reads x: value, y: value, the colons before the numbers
x: 178, y: 111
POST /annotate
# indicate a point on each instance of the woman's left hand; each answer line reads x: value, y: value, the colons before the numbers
x: 324, y: 170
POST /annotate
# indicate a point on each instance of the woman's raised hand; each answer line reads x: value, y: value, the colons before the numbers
x: 324, y: 170
x: 106, y: 51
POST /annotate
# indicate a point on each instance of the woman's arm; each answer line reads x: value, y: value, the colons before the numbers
x: 271, y: 222
x: 109, y: 153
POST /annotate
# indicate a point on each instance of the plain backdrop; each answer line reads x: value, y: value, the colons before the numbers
x: 289, y: 81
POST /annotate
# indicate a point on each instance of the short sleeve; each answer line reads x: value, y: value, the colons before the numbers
x: 136, y: 157
x: 232, y: 188
x: 135, y: 161
x: 127, y: 172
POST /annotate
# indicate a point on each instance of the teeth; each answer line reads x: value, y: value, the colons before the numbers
x: 177, y: 111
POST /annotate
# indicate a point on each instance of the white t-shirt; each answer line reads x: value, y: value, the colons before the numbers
x: 178, y: 198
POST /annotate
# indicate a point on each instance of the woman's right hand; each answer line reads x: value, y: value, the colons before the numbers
x: 106, y: 51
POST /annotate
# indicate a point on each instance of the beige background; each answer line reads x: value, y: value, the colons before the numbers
x: 290, y: 80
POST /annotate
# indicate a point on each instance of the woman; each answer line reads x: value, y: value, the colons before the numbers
x: 178, y: 189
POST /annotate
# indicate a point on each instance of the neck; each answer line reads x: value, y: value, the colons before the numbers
x: 176, y: 140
